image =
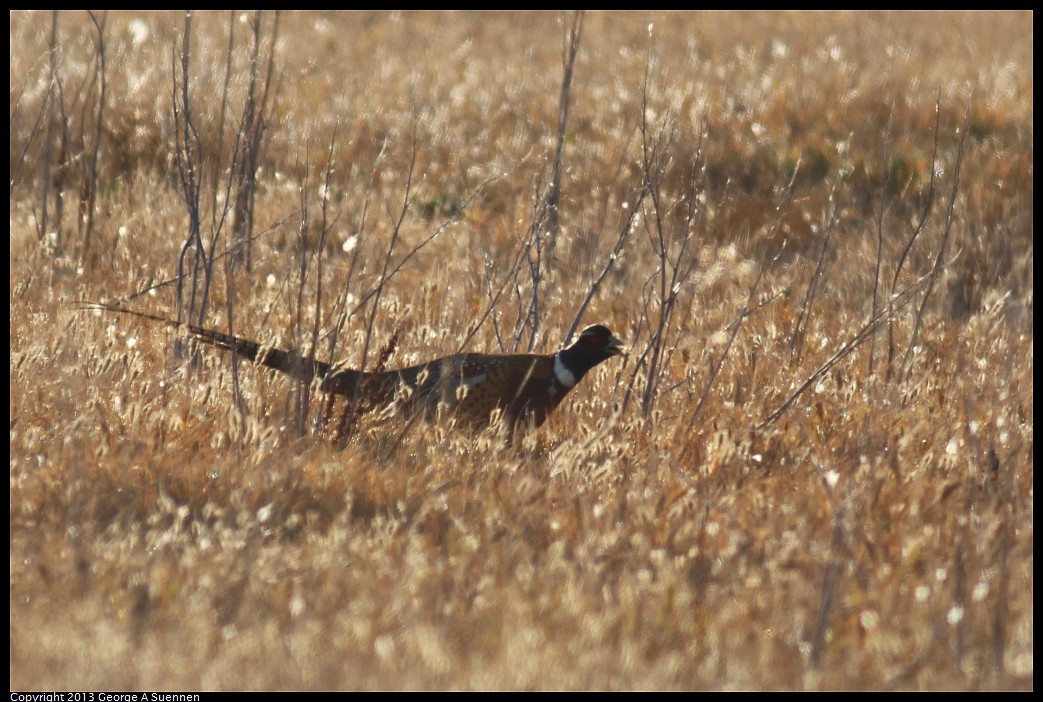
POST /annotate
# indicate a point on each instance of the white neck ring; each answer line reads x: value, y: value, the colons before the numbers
x: 566, y: 377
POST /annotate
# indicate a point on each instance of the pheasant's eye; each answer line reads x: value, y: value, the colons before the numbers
x: 596, y: 339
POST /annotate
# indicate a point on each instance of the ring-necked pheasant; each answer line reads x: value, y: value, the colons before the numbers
x: 467, y: 386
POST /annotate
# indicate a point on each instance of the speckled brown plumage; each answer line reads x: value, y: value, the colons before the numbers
x: 469, y: 387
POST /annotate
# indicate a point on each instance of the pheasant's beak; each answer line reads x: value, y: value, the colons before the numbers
x: 616, y: 347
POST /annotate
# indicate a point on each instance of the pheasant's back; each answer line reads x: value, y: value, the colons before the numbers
x: 470, y: 387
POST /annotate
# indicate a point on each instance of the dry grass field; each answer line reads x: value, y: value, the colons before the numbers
x: 813, y: 471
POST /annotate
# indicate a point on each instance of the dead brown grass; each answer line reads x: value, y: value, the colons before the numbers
x: 182, y: 527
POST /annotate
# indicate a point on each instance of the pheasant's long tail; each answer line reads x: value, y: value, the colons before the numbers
x: 341, y: 382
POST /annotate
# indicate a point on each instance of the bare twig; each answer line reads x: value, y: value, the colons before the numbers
x: 55, y: 160
x: 814, y: 285
x: 626, y: 228
x: 936, y: 269
x: 715, y: 371
x: 91, y: 179
x: 187, y: 142
x: 553, y: 198
x: 900, y: 300
x: 408, y: 196
x: 215, y: 173
x: 883, y: 207
x: 670, y: 243
x: 924, y: 216
x: 252, y: 129
x: 546, y: 212
x: 834, y: 572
